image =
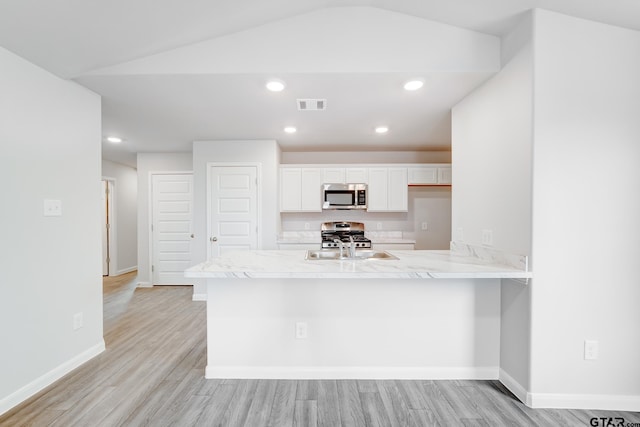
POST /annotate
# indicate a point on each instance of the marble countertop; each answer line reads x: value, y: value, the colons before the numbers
x: 410, y: 265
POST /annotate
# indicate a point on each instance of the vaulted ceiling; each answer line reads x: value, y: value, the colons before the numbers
x: 174, y: 71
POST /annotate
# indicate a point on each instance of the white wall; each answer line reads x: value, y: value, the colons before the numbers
x: 50, y: 135
x: 267, y: 153
x: 571, y: 87
x: 585, y: 213
x: 148, y: 163
x: 491, y: 155
x: 124, y: 234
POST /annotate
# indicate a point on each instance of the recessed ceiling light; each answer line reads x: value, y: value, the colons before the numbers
x: 413, y: 84
x: 290, y: 129
x: 114, y: 139
x: 275, y: 85
x: 382, y: 129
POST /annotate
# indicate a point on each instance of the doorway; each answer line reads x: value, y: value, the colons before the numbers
x: 171, y: 227
x: 232, y: 208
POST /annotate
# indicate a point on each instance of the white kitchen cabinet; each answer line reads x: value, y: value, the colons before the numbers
x: 357, y: 175
x: 444, y: 175
x: 300, y: 189
x: 311, y: 197
x: 387, y: 190
x: 429, y: 175
x: 333, y: 175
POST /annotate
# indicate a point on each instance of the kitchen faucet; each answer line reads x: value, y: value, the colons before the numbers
x: 340, y: 245
x: 352, y: 247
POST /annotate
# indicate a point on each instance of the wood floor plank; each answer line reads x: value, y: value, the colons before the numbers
x: 86, y: 409
x: 349, y: 403
x: 328, y: 409
x: 375, y: 414
x: 305, y: 413
x: 153, y: 402
x: 367, y: 386
x: 425, y: 418
x: 307, y: 390
x: 186, y: 414
x: 213, y: 414
x: 450, y: 391
x: 394, y: 403
x: 438, y: 404
x: 238, y: 408
x: 412, y: 394
x: 261, y: 404
x: 284, y: 401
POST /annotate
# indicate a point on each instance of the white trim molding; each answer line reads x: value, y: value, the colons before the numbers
x: 353, y: 372
x: 199, y: 297
x: 605, y: 402
x: 145, y: 285
x: 50, y: 377
x: 126, y: 270
x: 514, y: 386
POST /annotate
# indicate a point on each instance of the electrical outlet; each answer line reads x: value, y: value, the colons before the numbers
x: 301, y: 330
x: 590, y: 350
x: 379, y: 225
x: 460, y: 234
x: 52, y: 207
x: 424, y: 226
x: 306, y: 225
x: 487, y: 237
x: 77, y: 321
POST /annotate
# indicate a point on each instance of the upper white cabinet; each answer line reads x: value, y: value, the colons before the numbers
x: 357, y: 175
x: 345, y: 175
x: 387, y: 190
x: 300, y: 189
x: 300, y: 185
x: 333, y: 175
x: 444, y: 175
x: 430, y: 175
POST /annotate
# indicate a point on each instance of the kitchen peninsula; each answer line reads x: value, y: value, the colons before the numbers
x: 427, y: 314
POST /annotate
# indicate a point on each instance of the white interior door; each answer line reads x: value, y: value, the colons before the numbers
x: 233, y: 209
x: 171, y: 227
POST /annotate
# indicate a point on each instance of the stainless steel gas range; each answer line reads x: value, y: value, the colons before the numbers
x: 345, y: 232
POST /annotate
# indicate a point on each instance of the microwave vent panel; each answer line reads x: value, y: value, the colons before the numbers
x: 312, y: 104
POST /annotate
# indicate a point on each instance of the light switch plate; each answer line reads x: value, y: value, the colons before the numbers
x: 52, y: 207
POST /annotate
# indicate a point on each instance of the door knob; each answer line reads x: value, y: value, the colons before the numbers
x: 214, y: 239
x: 192, y: 235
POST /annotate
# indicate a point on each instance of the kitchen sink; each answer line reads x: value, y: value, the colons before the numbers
x: 362, y: 254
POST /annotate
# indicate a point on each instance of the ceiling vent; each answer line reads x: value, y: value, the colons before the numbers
x: 312, y: 104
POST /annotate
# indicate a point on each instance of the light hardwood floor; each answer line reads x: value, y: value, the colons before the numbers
x: 152, y: 374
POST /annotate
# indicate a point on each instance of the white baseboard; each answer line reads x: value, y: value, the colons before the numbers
x: 49, y: 378
x: 606, y: 402
x: 351, y: 372
x: 145, y: 285
x: 126, y: 270
x: 199, y: 297
x: 514, y: 387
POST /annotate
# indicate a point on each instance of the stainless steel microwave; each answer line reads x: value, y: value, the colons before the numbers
x: 344, y: 196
